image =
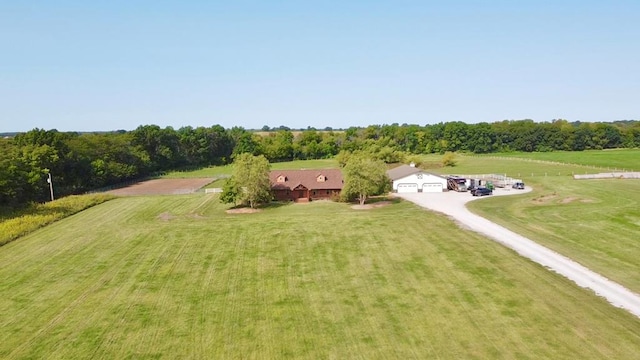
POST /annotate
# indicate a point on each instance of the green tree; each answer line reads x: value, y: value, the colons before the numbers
x: 456, y: 136
x: 244, y: 141
x: 449, y: 159
x: 364, y: 177
x: 278, y: 146
x: 251, y: 176
x: 230, y: 192
x: 481, y: 138
x: 162, y: 146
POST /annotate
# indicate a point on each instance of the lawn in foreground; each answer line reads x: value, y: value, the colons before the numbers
x: 594, y: 222
x: 176, y: 277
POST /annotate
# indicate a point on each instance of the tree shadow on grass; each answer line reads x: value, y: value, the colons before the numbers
x: 276, y: 204
x: 383, y: 198
x: 243, y: 208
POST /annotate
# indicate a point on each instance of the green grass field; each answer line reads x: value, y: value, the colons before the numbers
x: 595, y: 222
x: 176, y: 277
x: 226, y: 170
x: 604, y: 160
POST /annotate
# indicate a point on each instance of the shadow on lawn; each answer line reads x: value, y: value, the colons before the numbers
x: 382, y: 198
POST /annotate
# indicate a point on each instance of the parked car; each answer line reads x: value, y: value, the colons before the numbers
x: 518, y: 185
x: 481, y: 191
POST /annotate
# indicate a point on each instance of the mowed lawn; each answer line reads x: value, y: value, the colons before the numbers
x: 605, y: 160
x: 595, y: 222
x: 176, y: 277
x: 227, y: 170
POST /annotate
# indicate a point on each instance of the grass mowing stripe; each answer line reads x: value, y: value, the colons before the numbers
x: 318, y: 280
x: 72, y: 287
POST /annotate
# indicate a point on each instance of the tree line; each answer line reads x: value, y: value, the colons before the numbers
x: 82, y: 162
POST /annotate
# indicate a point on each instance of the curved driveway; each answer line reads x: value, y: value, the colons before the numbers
x: 453, y: 204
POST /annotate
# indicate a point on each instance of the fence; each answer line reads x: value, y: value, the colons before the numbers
x: 549, y: 162
x: 612, y: 175
x: 498, y: 180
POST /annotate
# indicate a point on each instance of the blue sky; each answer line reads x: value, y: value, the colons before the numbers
x: 89, y: 66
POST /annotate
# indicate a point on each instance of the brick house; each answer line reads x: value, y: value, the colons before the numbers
x: 305, y: 185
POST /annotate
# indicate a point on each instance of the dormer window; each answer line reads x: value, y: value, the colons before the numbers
x: 321, y: 178
x: 281, y: 179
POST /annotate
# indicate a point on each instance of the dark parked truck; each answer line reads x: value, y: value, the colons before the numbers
x: 481, y: 191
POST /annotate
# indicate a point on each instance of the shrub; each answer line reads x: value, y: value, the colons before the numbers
x: 40, y: 215
x: 449, y: 159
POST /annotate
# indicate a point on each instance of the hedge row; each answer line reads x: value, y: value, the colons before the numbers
x: 40, y: 215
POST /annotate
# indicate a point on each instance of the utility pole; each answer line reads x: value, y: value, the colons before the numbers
x: 50, y: 185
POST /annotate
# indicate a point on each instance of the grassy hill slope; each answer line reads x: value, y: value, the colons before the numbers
x: 595, y: 222
x: 177, y: 277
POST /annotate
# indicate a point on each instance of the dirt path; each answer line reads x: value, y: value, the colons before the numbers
x: 453, y: 204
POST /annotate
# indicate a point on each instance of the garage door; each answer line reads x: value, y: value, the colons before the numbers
x: 407, y: 188
x: 431, y: 187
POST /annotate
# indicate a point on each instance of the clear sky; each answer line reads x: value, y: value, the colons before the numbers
x: 108, y: 65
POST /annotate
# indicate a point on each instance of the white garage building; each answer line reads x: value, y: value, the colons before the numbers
x: 408, y: 178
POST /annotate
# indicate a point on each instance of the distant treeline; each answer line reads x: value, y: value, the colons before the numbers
x: 81, y: 162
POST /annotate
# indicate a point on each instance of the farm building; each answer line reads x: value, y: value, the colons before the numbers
x: 408, y: 178
x: 306, y: 185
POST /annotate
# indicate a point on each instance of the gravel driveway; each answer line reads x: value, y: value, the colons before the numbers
x: 453, y: 204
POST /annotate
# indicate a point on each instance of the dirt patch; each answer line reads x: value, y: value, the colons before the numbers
x: 362, y: 207
x: 371, y: 206
x: 162, y: 187
x: 165, y: 216
x: 243, y: 211
x: 571, y: 199
x: 544, y: 198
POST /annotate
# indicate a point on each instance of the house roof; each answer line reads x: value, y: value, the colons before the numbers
x: 404, y: 171
x: 307, y: 178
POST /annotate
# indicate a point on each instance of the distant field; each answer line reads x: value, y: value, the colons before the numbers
x: 595, y: 222
x: 176, y: 277
x: 628, y: 159
x: 306, y: 164
x: 226, y: 170
x: 212, y: 172
x: 219, y: 183
x: 163, y: 187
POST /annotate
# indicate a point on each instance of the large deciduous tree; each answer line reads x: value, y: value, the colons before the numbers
x: 250, y: 180
x: 278, y: 146
x: 364, y: 177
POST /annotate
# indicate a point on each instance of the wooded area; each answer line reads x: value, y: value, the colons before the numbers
x: 82, y: 162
